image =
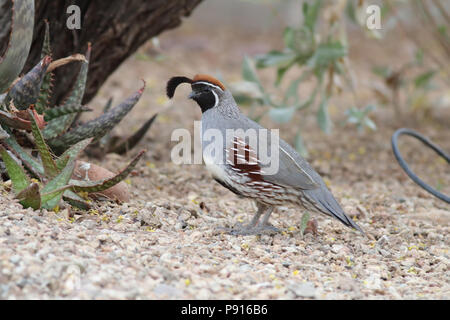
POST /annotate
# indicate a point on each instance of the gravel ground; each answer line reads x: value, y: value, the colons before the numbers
x: 167, y: 246
x: 167, y: 242
x: 170, y: 250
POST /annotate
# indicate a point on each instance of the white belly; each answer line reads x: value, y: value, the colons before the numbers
x: 216, y: 170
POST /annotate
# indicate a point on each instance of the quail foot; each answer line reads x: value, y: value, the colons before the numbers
x: 239, y: 163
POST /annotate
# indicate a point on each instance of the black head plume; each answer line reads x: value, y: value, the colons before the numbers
x: 173, y: 83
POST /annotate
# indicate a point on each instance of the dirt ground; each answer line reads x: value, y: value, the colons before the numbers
x: 165, y: 243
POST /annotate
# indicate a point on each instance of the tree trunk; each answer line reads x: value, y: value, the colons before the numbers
x: 115, y: 28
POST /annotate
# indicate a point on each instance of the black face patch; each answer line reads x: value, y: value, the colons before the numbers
x: 205, y: 99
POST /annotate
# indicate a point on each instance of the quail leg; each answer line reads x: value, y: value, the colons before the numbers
x: 264, y: 226
x: 252, y: 227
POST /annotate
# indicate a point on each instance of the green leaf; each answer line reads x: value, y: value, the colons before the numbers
x: 370, y: 124
x: 350, y: 11
x: 248, y: 71
x: 369, y: 108
x: 249, y: 74
x: 281, y: 115
x: 300, y: 146
x: 382, y: 71
x: 275, y: 59
x: 423, y: 80
x: 326, y: 54
x: 418, y: 57
x: 50, y: 168
x: 301, y: 41
x: 21, y: 36
x: 323, y: 118
x: 59, y: 125
x: 108, y: 105
x: 75, y: 200
x: 72, y: 153
x: 281, y: 72
x: 54, y: 189
x: 30, y: 196
x: 32, y: 164
x: 98, y: 186
x: 47, y: 82
x: 289, y: 37
x: 25, y: 92
x: 16, y: 173
x: 361, y: 117
x: 304, y: 223
x: 53, y: 113
x: 46, y: 48
x: 311, y: 14
x: 292, y: 91
x: 12, y: 121
x: 42, y: 102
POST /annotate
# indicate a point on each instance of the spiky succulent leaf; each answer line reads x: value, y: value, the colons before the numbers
x: 72, y: 153
x: 59, y: 125
x: 54, y: 189
x: 30, y: 196
x: 108, y: 105
x: 45, y: 94
x: 101, y: 185
x: 46, y: 48
x: 75, y: 200
x: 3, y: 134
x: 50, y: 168
x: 104, y: 141
x: 47, y: 83
x: 98, y: 127
x: 21, y: 36
x: 25, y: 92
x: 34, y: 165
x: 16, y: 173
x: 53, y: 113
x: 12, y: 121
x: 133, y: 140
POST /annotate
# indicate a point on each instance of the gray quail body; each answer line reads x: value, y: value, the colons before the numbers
x: 240, y: 168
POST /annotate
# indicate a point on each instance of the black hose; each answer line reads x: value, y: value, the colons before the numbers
x: 405, y: 166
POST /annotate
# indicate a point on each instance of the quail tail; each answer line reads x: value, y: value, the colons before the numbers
x: 327, y: 204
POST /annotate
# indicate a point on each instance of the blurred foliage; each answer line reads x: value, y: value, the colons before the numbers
x: 319, y: 53
x: 317, y: 50
x: 418, y: 78
x: 412, y: 77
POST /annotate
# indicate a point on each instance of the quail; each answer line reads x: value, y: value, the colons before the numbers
x: 240, y: 168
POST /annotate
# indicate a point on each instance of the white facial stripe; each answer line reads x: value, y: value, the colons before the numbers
x: 208, y: 84
x: 217, y: 99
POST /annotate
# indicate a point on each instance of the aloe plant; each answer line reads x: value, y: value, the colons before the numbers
x: 57, y: 173
x: 58, y: 139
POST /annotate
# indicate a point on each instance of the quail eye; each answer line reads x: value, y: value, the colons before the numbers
x: 206, y: 100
